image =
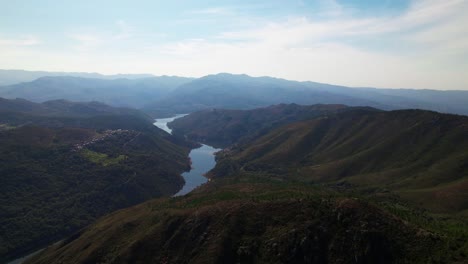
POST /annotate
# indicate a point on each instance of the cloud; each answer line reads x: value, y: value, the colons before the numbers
x: 86, y: 41
x: 416, y: 48
x: 125, y: 30
x: 422, y: 13
x: 92, y: 40
x: 424, y: 46
x: 449, y: 35
x: 22, y: 41
x: 212, y: 11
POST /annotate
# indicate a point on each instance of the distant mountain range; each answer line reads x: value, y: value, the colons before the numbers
x: 301, y: 184
x: 168, y: 95
x: 347, y: 180
x: 245, y: 92
x: 62, y: 108
x: 117, y: 92
x: 8, y: 77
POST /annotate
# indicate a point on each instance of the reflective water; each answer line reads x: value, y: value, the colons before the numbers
x: 162, y: 123
x: 202, y: 158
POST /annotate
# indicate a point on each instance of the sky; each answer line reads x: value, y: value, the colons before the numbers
x: 359, y: 43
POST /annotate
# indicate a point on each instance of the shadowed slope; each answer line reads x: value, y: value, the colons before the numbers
x: 221, y: 127
x: 58, y: 173
x: 400, y: 150
x: 249, y: 224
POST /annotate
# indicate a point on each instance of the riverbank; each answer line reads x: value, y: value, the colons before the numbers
x: 202, y: 160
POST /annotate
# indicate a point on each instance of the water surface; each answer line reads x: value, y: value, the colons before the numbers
x: 202, y: 161
x: 202, y: 158
x: 162, y: 122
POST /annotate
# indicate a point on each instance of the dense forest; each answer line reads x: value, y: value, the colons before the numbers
x: 408, y: 151
x: 337, y: 185
x: 258, y: 220
x: 60, y: 172
x: 180, y: 132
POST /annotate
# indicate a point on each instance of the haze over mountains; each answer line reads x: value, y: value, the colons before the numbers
x: 306, y: 169
x: 8, y: 77
x: 135, y: 92
x: 301, y: 184
x: 166, y: 95
x: 232, y: 132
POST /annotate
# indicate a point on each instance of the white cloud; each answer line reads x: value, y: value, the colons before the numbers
x: 428, y: 33
x: 93, y: 41
x: 86, y: 41
x: 212, y: 11
x: 125, y: 30
x: 420, y: 48
x: 22, y: 41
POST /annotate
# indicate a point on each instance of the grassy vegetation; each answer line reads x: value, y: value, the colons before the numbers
x: 101, y: 158
x: 453, y: 230
x: 5, y: 127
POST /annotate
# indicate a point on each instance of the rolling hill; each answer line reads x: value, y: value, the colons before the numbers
x: 294, y: 183
x: 117, y: 92
x: 169, y: 95
x: 302, y: 184
x: 253, y: 223
x: 64, y: 164
x: 9, y: 77
x: 62, y: 108
x: 421, y: 155
x: 229, y: 91
x: 222, y: 128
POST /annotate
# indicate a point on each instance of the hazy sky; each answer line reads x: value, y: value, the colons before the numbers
x: 387, y: 43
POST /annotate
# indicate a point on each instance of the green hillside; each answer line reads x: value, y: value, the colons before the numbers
x: 59, y: 173
x: 350, y: 186
x: 415, y: 153
x: 248, y: 222
x: 222, y: 128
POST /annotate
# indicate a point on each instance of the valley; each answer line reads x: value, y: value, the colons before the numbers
x: 60, y: 173
x: 234, y: 132
x: 257, y: 182
x: 407, y: 151
x: 201, y: 159
x: 298, y: 190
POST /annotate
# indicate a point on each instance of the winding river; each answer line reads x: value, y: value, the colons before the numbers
x: 202, y: 158
x: 162, y: 123
x: 202, y: 161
